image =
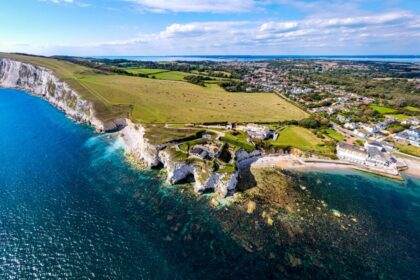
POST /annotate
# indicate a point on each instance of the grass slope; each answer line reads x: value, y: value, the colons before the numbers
x: 161, y: 101
x: 409, y: 149
x: 301, y: 138
x: 334, y: 134
x: 382, y: 109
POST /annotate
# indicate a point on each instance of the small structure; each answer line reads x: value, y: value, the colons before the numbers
x: 360, y: 133
x: 351, y: 125
x: 369, y: 128
x: 411, y: 121
x: 205, y: 151
x: 342, y: 118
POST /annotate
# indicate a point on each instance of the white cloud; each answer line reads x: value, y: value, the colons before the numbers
x: 388, y: 32
x: 212, y: 6
x: 195, y: 29
x: 70, y: 2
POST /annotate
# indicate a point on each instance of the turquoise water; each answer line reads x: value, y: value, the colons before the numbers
x: 67, y: 207
x: 72, y: 208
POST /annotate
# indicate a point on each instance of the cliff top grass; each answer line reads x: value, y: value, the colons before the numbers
x: 303, y: 139
x: 162, y: 101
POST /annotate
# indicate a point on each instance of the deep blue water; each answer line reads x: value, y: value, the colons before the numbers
x: 71, y: 207
x: 225, y: 58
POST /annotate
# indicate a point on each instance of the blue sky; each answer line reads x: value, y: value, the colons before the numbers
x: 226, y: 27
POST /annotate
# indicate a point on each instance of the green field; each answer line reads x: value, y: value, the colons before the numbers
x: 334, y: 134
x: 172, y: 75
x: 301, y: 138
x: 383, y: 110
x: 161, y: 74
x: 409, y: 149
x: 160, y: 101
x: 239, y: 140
x: 146, y: 71
x: 399, y: 116
x: 411, y: 108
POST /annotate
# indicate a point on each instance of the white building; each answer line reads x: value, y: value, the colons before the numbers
x: 411, y: 121
x: 342, y: 118
x: 351, y: 153
x: 351, y: 126
x: 410, y: 136
x: 369, y: 128
x: 372, y: 155
x: 361, y: 134
x: 257, y: 131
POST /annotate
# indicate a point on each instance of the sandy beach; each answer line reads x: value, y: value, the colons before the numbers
x: 295, y: 163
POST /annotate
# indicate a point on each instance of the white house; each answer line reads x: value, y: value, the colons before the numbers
x: 369, y: 128
x: 360, y: 133
x: 351, y: 126
x: 411, y: 121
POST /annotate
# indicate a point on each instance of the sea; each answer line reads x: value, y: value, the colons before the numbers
x: 72, y: 207
x: 255, y: 58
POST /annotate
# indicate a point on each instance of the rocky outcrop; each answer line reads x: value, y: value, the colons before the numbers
x: 42, y: 82
x: 205, y: 179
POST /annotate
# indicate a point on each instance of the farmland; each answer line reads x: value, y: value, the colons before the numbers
x: 162, y: 101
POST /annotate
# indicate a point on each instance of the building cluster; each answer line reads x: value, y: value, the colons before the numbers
x: 409, y: 136
x: 365, y: 130
x: 373, y: 155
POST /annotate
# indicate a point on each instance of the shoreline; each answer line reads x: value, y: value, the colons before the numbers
x: 305, y: 164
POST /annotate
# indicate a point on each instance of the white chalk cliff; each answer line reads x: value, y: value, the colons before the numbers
x: 42, y: 82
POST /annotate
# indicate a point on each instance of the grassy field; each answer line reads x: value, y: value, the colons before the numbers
x: 383, y: 110
x: 411, y: 108
x: 147, y: 71
x: 160, y: 101
x: 161, y: 74
x: 172, y: 75
x: 239, y: 140
x: 409, y: 149
x: 301, y: 138
x: 334, y: 134
x: 399, y: 116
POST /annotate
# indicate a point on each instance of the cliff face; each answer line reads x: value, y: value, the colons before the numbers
x: 41, y: 81
x: 205, y: 178
x: 138, y: 144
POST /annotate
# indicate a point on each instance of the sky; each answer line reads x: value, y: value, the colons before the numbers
x: 210, y: 27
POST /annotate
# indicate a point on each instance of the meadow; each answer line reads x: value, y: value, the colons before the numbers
x: 334, y: 134
x: 382, y: 109
x: 162, y: 101
x: 409, y: 149
x: 300, y: 138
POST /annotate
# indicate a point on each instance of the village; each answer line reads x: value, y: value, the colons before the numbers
x: 365, y: 137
